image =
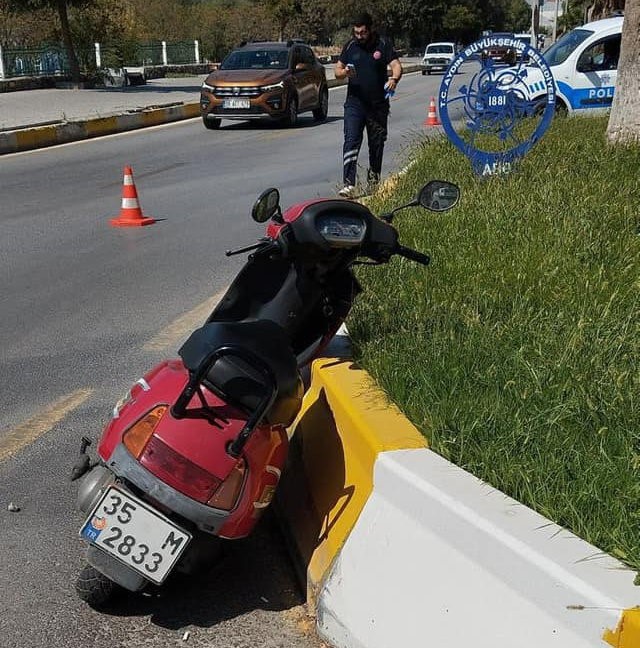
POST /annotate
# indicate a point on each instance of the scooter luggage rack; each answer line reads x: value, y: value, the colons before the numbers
x: 179, y: 408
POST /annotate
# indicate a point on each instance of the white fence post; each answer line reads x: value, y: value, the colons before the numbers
x: 1, y: 64
x: 164, y: 52
x: 196, y: 46
x: 98, y: 57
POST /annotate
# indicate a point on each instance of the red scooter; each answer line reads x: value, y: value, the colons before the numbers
x: 194, y: 452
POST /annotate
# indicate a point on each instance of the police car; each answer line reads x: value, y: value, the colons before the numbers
x: 584, y: 65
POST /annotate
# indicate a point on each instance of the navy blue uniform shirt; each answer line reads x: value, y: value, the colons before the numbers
x: 370, y: 61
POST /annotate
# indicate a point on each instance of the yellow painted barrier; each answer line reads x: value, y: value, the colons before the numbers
x: 627, y: 634
x: 155, y: 117
x: 191, y: 110
x: 36, y: 137
x: 101, y: 126
x: 345, y: 422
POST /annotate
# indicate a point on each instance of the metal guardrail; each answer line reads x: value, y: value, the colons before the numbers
x: 51, y: 60
x: 147, y: 54
x: 47, y: 60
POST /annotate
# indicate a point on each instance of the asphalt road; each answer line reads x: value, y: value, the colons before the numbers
x: 86, y: 309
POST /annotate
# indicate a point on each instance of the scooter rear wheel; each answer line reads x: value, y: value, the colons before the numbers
x: 94, y: 588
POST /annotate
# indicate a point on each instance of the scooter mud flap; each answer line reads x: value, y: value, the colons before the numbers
x: 115, y: 570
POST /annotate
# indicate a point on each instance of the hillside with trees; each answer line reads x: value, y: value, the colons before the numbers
x: 220, y: 24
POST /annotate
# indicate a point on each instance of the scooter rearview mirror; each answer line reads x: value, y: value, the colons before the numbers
x: 267, y: 205
x: 389, y: 216
x: 438, y: 195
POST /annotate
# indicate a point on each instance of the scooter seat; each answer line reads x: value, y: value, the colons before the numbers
x: 235, y: 378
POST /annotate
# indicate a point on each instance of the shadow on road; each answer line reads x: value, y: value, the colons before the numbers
x: 304, y: 121
x: 154, y: 89
x: 253, y: 574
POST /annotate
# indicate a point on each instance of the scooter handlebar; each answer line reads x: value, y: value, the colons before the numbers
x: 413, y: 255
x: 263, y: 246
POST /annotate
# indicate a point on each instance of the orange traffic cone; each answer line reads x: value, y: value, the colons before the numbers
x: 130, y: 212
x: 432, y: 117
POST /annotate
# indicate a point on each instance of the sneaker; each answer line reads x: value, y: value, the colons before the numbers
x: 373, y: 181
x: 348, y: 191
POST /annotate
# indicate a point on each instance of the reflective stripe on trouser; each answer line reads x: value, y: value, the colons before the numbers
x: 356, y: 119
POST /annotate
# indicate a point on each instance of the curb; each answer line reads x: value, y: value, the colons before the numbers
x: 400, y: 547
x: 27, y: 139
x: 343, y: 425
x: 32, y: 138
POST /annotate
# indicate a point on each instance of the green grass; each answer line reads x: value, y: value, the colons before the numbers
x: 517, y: 351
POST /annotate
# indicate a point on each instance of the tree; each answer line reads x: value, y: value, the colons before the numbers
x: 283, y: 12
x: 62, y: 7
x: 166, y: 19
x: 517, y: 16
x: 578, y: 12
x: 24, y: 29
x: 597, y: 9
x: 312, y: 23
x: 624, y: 120
x: 108, y: 22
x: 461, y: 22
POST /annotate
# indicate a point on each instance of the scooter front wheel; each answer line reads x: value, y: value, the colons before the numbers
x: 94, y: 588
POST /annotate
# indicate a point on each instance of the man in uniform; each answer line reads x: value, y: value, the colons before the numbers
x: 363, y: 61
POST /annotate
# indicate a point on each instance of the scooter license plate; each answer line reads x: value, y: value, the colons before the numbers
x: 134, y: 533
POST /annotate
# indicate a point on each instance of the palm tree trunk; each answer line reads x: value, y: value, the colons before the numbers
x: 624, y: 120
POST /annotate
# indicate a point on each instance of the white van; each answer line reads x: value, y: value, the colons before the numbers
x: 584, y: 64
x: 437, y: 57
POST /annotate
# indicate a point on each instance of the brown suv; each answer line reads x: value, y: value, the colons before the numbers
x: 264, y: 79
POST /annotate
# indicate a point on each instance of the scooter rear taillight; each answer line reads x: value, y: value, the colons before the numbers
x: 178, y: 472
x: 137, y: 436
x: 227, y: 495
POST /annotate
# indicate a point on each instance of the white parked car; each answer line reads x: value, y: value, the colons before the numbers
x: 437, y: 57
x: 584, y: 64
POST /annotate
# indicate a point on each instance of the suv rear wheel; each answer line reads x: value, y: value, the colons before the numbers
x: 320, y: 113
x: 291, y: 117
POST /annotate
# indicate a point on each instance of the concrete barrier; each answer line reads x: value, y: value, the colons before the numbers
x: 39, y: 137
x: 343, y: 426
x: 400, y: 547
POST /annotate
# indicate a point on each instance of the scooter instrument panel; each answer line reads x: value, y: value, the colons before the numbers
x: 341, y: 230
